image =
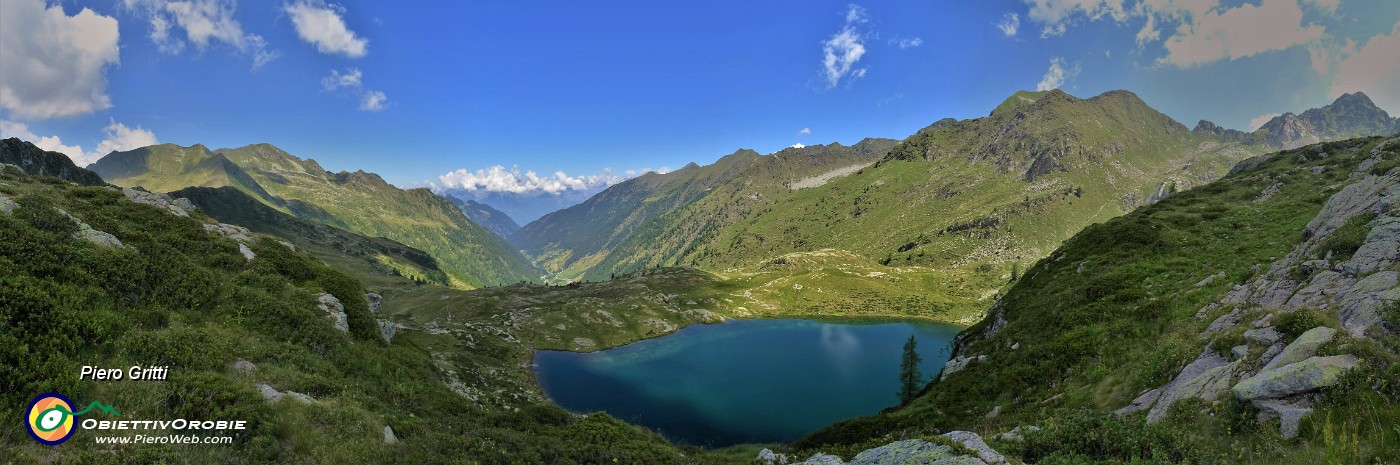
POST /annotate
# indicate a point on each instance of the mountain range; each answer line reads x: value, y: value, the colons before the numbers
x: 470, y: 255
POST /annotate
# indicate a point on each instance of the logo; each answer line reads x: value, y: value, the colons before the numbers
x: 50, y: 417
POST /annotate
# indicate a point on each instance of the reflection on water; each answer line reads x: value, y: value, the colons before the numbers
x: 743, y: 381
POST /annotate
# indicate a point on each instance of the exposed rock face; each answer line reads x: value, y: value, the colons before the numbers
x: 235, y: 232
x: 375, y: 302
x: 972, y: 441
x: 1289, y: 132
x: 177, y: 207
x: 85, y: 232
x: 334, y: 310
x: 389, y: 437
x: 1142, y: 402
x: 1295, y: 378
x: 1205, y: 378
x: 1289, y: 414
x: 1303, y: 347
x: 243, y: 367
x: 958, y: 364
x: 272, y: 395
x: 247, y: 252
x: 6, y: 205
x: 1018, y: 434
x: 768, y: 457
x: 36, y: 161
x: 908, y: 452
x: 387, y: 329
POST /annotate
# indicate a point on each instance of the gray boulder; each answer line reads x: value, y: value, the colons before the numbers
x: 1303, y: 347
x: 909, y: 451
x: 1018, y: 434
x: 972, y: 441
x: 6, y: 205
x: 768, y: 457
x: 1262, y: 336
x: 389, y: 437
x: 387, y: 329
x: 1204, y: 377
x: 85, y: 232
x: 334, y: 310
x: 1295, y: 378
x: 1143, y: 402
x: 1289, y: 414
x: 243, y: 367
x: 235, y: 232
x: 822, y: 459
x: 375, y: 302
x: 247, y: 252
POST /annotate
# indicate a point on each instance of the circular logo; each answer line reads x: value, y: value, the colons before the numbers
x: 50, y: 419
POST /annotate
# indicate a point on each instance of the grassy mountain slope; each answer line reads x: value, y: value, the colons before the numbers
x: 376, y: 261
x: 490, y: 218
x: 1287, y: 242
x: 360, y: 202
x: 674, y: 237
x: 177, y: 295
x: 568, y: 242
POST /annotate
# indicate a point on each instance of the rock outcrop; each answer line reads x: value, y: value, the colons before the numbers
x: 1295, y: 378
x: 6, y: 205
x: 177, y: 207
x: 334, y: 310
x: 375, y: 302
x: 85, y: 232
x: 909, y: 452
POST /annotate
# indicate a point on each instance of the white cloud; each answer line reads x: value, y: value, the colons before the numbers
x: 907, y: 43
x: 841, y: 52
x: 373, y: 100
x: 1241, y: 32
x: 804, y: 131
x: 1259, y: 121
x: 203, y: 22
x: 1056, y: 15
x: 498, y: 179
x: 323, y: 25
x: 1374, y: 68
x: 350, y: 78
x: 54, y: 64
x: 796, y: 146
x: 1009, y: 24
x: 119, y: 137
x: 1059, y: 73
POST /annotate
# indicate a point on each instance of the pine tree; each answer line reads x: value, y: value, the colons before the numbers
x: 909, y: 375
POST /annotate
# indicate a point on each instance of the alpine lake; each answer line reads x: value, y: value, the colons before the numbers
x: 745, y: 381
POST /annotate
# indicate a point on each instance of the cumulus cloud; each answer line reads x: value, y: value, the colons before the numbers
x: 119, y: 137
x: 1373, y: 68
x: 323, y: 25
x: 1259, y: 121
x: 203, y: 22
x: 907, y: 43
x: 796, y: 146
x: 1009, y: 24
x: 373, y: 101
x: 843, y: 50
x: 1059, y: 73
x: 1241, y: 32
x: 352, y: 81
x: 1056, y: 15
x: 804, y: 131
x: 499, y: 179
x: 54, y: 64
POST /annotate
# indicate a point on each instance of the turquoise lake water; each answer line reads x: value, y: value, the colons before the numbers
x: 745, y: 380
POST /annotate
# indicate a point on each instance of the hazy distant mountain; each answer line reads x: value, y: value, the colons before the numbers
x: 525, y: 207
x: 1351, y: 115
x: 359, y: 201
x: 492, y: 219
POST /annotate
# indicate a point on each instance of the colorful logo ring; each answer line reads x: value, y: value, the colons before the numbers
x: 50, y: 418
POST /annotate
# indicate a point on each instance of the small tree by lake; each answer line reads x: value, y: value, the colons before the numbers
x: 909, y: 375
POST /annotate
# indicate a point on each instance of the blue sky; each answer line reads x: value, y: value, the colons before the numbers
x: 442, y: 92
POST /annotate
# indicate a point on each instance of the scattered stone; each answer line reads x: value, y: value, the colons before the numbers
x: 272, y: 395
x: 1272, y: 351
x: 1303, y: 347
x: 1295, y: 378
x: 1262, y: 336
x: 375, y: 302
x: 244, y: 367
x: 583, y: 342
x: 958, y: 364
x: 235, y: 232
x: 821, y: 459
x: 1016, y: 346
x: 389, y: 437
x: 1226, y: 321
x: 7, y: 205
x: 1264, y: 322
x: 1210, y: 279
x: 1239, y: 352
x: 996, y: 412
x: 1289, y: 414
x: 387, y: 329
x: 1204, y: 377
x: 334, y: 310
x: 247, y: 252
x: 299, y: 397
x: 768, y: 457
x: 1143, y: 402
x: 1018, y: 434
x: 906, y: 451
x: 972, y: 441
